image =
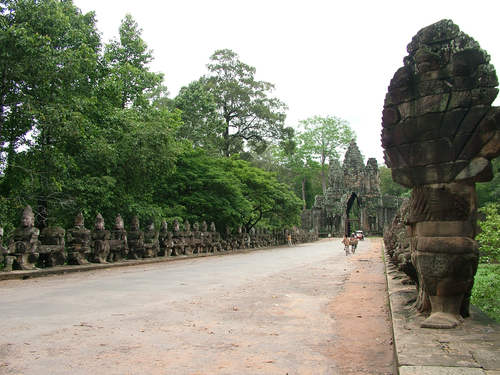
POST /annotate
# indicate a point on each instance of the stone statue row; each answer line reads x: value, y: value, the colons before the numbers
x: 29, y: 248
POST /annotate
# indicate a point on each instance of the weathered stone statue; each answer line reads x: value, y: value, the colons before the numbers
x: 24, y: 243
x: 227, y: 240
x: 165, y: 240
x: 242, y: 238
x: 178, y: 239
x: 135, y: 238
x: 100, y: 241
x: 206, y: 238
x: 118, y: 245
x: 188, y: 238
x: 78, y: 242
x: 53, y: 247
x: 440, y: 133
x: 197, y: 239
x: 4, y: 255
x: 215, y: 236
x: 151, y: 242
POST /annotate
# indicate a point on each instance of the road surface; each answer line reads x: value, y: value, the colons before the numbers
x: 287, y: 310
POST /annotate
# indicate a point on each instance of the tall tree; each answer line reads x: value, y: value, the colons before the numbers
x: 324, y: 138
x: 49, y: 69
x: 299, y: 168
x: 251, y: 117
x: 229, y: 191
x: 128, y: 59
x: 201, y: 123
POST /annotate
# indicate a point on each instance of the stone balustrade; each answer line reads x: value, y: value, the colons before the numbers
x: 29, y: 249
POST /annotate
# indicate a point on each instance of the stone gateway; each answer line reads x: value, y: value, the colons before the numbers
x: 352, y: 200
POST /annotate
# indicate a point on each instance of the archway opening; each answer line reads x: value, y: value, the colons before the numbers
x: 353, y: 214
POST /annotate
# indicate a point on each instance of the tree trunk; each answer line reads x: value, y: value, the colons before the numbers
x: 323, y: 178
x: 2, y: 103
x: 304, y: 193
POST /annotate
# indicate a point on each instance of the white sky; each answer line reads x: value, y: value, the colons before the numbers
x: 325, y: 57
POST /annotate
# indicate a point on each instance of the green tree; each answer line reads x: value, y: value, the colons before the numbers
x: 489, y: 192
x: 486, y: 292
x: 324, y: 138
x: 489, y: 238
x: 228, y: 191
x: 251, y: 117
x: 201, y: 123
x: 389, y: 187
x: 300, y: 169
x: 128, y: 59
x: 49, y: 69
x: 96, y: 144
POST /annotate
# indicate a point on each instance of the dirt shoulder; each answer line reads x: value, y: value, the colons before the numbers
x: 362, y: 316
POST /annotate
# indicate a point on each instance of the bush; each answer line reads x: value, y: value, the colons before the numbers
x: 486, y: 292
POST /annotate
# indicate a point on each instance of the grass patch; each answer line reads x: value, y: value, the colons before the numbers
x: 486, y: 291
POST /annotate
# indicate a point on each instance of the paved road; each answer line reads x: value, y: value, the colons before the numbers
x: 262, y: 312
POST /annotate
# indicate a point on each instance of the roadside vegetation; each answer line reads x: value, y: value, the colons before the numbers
x: 86, y: 126
x: 486, y: 292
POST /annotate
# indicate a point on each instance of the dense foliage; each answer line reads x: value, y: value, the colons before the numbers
x: 389, y: 187
x: 86, y: 126
x: 325, y: 138
x: 486, y: 292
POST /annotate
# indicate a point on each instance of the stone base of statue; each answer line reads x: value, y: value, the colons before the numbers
x: 52, y: 256
x: 8, y: 263
x: 100, y: 251
x: 79, y: 257
x: 26, y: 262
x: 151, y: 250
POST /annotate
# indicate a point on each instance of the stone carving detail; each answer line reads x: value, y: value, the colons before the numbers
x: 78, y: 239
x: 100, y: 241
x: 24, y: 243
x: 439, y: 134
x: 118, y: 245
x: 165, y: 240
x: 177, y: 239
x: 102, y: 246
x: 52, y: 247
x: 352, y: 181
x: 151, y: 240
x: 135, y: 238
x: 8, y: 260
x: 215, y: 236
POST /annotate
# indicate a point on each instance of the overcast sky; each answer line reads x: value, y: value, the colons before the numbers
x: 324, y: 57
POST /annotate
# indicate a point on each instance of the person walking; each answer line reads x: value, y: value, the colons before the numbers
x: 354, y: 243
x: 345, y: 242
x: 289, y: 239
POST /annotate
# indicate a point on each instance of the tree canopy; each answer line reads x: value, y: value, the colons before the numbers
x: 87, y: 126
x: 325, y: 138
x: 251, y: 118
